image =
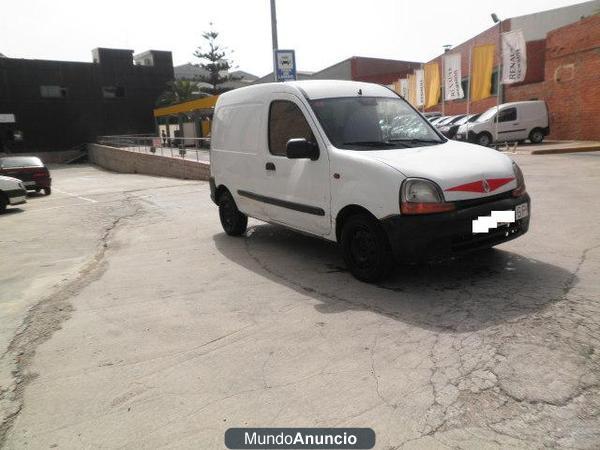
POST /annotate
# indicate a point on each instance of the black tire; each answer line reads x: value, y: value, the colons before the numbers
x: 484, y: 139
x: 47, y: 191
x: 233, y: 221
x: 536, y: 136
x: 366, y: 248
x: 3, y: 203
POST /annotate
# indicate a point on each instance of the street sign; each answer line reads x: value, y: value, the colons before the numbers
x: 285, y: 62
x: 7, y: 118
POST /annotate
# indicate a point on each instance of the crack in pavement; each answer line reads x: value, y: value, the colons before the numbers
x: 46, y: 317
x: 472, y: 382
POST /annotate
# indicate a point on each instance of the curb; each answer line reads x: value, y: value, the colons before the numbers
x: 592, y: 148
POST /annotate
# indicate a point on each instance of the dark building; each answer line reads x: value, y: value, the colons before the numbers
x: 54, y: 105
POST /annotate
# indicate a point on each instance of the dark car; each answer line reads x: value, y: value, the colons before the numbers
x: 450, y: 129
x: 30, y: 170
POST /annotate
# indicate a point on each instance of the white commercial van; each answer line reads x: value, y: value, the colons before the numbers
x: 518, y: 121
x: 12, y: 192
x: 354, y: 163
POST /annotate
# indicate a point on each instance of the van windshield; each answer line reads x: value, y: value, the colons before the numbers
x: 486, y: 116
x: 373, y: 123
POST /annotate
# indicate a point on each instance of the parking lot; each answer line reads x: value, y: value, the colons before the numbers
x: 129, y: 319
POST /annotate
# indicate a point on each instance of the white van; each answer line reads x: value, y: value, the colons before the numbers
x: 518, y: 121
x: 356, y: 164
x: 12, y: 192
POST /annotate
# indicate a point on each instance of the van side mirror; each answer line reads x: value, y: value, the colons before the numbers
x: 300, y: 148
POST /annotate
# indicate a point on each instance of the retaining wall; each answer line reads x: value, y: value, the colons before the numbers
x: 126, y: 161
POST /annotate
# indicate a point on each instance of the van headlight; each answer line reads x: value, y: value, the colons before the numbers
x: 421, y: 196
x: 520, y: 189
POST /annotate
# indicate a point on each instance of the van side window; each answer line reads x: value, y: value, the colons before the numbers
x: 286, y: 122
x: 507, y: 115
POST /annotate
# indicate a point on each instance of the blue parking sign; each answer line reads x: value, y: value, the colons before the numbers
x: 285, y: 62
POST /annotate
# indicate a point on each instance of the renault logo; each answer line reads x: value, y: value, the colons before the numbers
x: 486, y: 185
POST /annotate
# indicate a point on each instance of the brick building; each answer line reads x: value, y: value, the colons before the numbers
x: 54, y: 105
x: 563, y: 68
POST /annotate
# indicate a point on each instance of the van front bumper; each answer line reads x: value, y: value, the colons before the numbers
x: 468, y: 137
x: 431, y: 236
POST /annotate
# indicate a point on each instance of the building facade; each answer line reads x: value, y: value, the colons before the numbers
x: 358, y: 68
x: 563, y: 69
x: 55, y: 105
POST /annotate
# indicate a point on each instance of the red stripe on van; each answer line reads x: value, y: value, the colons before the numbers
x: 478, y: 186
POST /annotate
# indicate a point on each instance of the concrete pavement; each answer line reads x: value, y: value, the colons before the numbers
x: 162, y: 331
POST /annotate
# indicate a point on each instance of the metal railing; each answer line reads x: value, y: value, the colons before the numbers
x: 196, y: 149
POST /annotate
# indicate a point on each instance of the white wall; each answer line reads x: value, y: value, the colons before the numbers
x: 536, y: 26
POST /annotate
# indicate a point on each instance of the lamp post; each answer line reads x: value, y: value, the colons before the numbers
x: 446, y: 48
x: 274, y: 36
x: 497, y: 20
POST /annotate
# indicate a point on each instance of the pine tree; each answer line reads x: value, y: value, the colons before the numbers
x: 216, y: 63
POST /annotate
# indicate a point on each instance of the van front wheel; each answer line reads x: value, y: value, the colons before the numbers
x: 366, y: 249
x: 233, y: 221
x: 484, y: 139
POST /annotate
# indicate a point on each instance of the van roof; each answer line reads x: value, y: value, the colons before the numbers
x: 527, y: 102
x: 311, y: 89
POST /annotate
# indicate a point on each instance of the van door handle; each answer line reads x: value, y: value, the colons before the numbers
x: 270, y: 166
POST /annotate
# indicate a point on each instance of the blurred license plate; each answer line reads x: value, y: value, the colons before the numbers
x: 521, y: 211
x: 29, y: 183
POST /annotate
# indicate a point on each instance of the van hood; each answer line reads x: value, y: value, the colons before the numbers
x: 463, y: 171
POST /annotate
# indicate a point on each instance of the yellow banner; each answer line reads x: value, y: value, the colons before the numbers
x: 482, y: 67
x: 432, y: 84
x: 412, y: 89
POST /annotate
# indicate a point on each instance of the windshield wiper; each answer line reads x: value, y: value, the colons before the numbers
x: 369, y: 143
x: 416, y: 141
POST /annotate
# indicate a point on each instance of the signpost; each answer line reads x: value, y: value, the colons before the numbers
x: 285, y: 65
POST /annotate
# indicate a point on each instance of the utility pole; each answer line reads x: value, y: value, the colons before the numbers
x: 274, y: 36
x: 499, y: 74
x: 446, y: 48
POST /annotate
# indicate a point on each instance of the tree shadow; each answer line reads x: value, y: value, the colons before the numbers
x: 465, y: 294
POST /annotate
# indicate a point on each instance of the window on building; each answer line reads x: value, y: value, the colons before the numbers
x: 113, y: 91
x: 507, y: 115
x: 286, y: 122
x: 53, y: 91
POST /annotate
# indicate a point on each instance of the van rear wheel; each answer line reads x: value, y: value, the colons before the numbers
x: 233, y: 221
x: 536, y: 136
x: 366, y: 249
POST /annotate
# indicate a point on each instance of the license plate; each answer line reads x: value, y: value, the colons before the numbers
x: 29, y: 183
x: 521, y: 211
x: 459, y: 136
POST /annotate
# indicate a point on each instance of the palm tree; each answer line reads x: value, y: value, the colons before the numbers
x: 179, y: 91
